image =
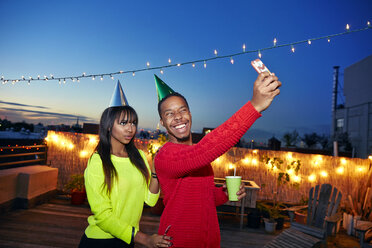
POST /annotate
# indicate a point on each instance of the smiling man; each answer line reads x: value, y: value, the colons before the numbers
x: 184, y: 170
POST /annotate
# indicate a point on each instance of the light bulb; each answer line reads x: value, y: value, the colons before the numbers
x: 148, y: 64
x: 161, y: 71
x: 243, y: 47
x: 274, y: 41
x: 193, y: 65
x: 169, y: 60
x: 259, y: 54
x: 231, y: 60
x: 215, y: 52
x: 293, y: 49
x: 205, y: 65
x: 347, y: 27
x: 309, y: 42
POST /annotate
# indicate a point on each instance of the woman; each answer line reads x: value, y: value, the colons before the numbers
x: 118, y: 182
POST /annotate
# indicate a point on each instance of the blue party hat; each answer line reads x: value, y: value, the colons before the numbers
x: 118, y: 97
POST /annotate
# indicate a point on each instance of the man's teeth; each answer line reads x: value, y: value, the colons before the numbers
x: 180, y: 126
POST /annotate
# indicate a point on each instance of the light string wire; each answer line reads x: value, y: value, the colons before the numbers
x: 216, y: 57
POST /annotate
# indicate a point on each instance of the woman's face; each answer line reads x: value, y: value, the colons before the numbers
x: 123, y: 130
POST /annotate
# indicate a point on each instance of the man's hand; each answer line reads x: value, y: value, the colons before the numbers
x: 265, y: 88
x: 241, y: 193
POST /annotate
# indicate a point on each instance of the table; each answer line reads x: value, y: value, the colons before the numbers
x: 251, y: 189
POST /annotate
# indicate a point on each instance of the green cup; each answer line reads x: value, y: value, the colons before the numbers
x: 233, y: 186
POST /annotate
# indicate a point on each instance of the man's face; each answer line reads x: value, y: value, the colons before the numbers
x: 176, y: 118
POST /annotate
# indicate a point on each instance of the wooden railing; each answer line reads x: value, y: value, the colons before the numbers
x: 15, y: 156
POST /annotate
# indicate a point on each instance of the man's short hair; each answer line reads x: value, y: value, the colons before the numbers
x: 165, y: 98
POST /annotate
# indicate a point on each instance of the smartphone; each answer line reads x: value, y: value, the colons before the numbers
x: 259, y: 66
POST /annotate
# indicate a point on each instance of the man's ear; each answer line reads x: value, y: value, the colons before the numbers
x: 161, y: 122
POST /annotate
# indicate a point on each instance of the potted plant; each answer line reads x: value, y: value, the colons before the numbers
x: 272, y: 215
x: 75, y: 186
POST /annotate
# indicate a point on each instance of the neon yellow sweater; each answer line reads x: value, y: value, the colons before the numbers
x: 115, y: 215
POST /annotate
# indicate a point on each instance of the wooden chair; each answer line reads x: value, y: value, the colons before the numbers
x: 365, y: 234
x: 321, y: 221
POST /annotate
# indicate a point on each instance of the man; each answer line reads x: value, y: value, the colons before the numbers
x: 184, y: 170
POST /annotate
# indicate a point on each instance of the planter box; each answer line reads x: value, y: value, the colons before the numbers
x: 349, y: 222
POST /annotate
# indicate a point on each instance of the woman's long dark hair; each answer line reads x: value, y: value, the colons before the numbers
x: 109, y: 116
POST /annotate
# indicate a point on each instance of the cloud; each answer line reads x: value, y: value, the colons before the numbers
x: 36, y: 116
x: 23, y: 105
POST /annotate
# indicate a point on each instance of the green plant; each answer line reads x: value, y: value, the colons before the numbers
x: 75, y: 184
x: 284, y: 171
x: 274, y: 210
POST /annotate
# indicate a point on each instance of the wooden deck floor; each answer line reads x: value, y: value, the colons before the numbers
x: 59, y: 224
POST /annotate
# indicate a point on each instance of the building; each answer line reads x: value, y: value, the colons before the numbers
x: 355, y: 116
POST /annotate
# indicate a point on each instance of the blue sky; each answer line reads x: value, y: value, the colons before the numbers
x: 67, y: 38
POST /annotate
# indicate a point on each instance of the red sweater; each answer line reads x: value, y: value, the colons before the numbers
x: 187, y: 182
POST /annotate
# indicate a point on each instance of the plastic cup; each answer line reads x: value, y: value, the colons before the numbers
x: 233, y: 186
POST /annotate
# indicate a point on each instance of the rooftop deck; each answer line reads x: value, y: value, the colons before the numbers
x: 59, y: 224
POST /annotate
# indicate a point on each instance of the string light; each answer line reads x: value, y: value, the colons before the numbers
x: 112, y: 77
x: 101, y: 78
x: 215, y: 52
x: 259, y: 54
x: 329, y: 40
x: 324, y: 174
x: 133, y: 74
x: 178, y: 64
x: 161, y: 71
x: 231, y: 60
x: 340, y: 170
x: 84, y: 75
x: 205, y: 64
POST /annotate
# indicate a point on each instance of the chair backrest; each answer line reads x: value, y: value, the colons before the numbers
x: 321, y: 204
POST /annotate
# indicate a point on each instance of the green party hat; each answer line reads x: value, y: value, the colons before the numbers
x: 162, y: 89
x: 118, y: 97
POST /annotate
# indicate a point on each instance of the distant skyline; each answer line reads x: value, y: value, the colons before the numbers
x: 71, y: 37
